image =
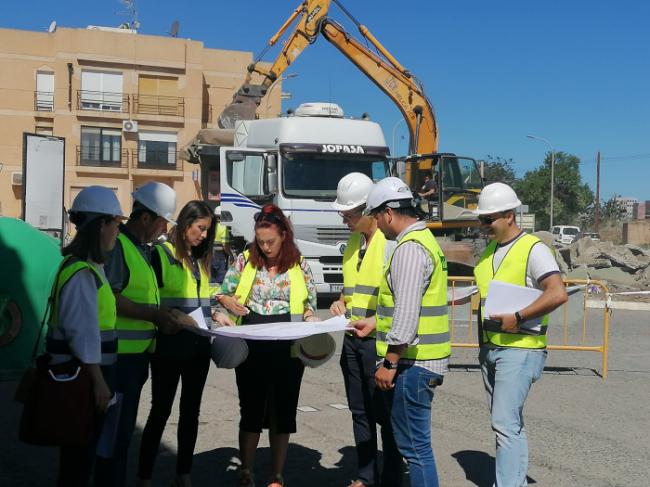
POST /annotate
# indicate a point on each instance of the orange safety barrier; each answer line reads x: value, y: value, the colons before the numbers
x: 466, y: 314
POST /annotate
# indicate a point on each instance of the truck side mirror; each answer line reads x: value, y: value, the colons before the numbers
x: 272, y: 173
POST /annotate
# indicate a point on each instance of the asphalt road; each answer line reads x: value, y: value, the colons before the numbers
x: 583, y: 431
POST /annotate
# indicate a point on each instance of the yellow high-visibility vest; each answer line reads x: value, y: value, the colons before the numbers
x: 298, y: 293
x: 137, y: 336
x: 106, y: 313
x: 433, y: 325
x: 513, y: 271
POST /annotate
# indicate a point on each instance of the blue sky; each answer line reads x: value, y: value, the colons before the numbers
x: 576, y: 72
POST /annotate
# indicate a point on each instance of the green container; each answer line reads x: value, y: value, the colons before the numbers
x: 29, y: 260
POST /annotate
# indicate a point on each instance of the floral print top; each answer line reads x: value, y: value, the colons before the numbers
x: 269, y: 295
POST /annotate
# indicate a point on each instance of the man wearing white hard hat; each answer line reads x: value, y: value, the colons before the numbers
x: 134, y: 284
x: 512, y: 352
x: 365, y: 253
x: 413, y: 343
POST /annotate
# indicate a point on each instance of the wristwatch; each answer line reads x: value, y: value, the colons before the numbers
x: 520, y: 319
x: 389, y: 365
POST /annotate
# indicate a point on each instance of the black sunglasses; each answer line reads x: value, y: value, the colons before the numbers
x: 489, y: 220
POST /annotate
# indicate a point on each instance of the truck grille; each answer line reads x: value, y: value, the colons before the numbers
x: 324, y: 235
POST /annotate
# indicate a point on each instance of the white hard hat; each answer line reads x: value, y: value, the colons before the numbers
x: 389, y: 190
x: 228, y: 352
x: 352, y: 191
x: 314, y: 350
x: 217, y: 211
x: 159, y: 198
x: 497, y: 197
x: 97, y: 199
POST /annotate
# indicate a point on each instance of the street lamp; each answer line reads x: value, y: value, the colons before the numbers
x: 268, y: 93
x: 552, y: 171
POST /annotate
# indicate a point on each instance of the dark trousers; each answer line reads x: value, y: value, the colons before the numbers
x: 165, y: 375
x: 358, y: 363
x: 132, y: 373
x: 76, y: 463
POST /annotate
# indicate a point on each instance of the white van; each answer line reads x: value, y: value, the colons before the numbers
x: 565, y: 234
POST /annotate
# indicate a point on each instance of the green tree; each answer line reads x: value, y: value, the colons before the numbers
x: 571, y: 196
x: 498, y: 170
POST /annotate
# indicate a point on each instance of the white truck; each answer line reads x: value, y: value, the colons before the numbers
x: 296, y: 162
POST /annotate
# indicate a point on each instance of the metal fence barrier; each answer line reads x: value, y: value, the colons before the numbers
x: 576, y: 332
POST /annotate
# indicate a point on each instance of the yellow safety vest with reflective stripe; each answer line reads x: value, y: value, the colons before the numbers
x: 221, y: 235
x: 433, y: 325
x: 513, y: 271
x: 105, y: 311
x: 180, y: 288
x: 298, y: 292
x: 361, y: 283
x: 137, y: 336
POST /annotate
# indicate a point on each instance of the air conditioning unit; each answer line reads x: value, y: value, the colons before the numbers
x: 129, y: 126
x: 17, y: 178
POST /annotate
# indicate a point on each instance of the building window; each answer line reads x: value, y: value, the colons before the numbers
x: 44, y: 95
x: 157, y: 150
x: 101, y: 91
x: 158, y: 95
x: 100, y: 146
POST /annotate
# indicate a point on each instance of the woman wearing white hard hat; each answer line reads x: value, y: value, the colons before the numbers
x: 268, y: 283
x: 139, y: 313
x: 82, y: 321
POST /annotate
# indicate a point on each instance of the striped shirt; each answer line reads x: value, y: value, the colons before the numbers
x: 409, y: 276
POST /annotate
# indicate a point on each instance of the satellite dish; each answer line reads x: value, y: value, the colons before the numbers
x: 52, y: 27
x: 174, y: 29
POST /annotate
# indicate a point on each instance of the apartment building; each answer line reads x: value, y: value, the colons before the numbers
x: 125, y: 104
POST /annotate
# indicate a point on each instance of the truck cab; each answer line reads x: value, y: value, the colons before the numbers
x: 296, y: 163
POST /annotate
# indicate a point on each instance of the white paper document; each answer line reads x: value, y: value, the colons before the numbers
x: 460, y: 294
x: 508, y: 298
x: 290, y: 330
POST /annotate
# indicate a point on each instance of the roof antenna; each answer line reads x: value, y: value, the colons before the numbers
x: 173, y: 31
x: 132, y: 12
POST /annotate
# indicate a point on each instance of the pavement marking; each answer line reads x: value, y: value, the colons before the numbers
x: 307, y: 409
x: 338, y: 405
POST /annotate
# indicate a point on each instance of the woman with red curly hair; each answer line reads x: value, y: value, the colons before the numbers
x: 269, y: 282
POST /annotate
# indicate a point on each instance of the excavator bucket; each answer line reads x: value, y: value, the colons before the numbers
x: 243, y: 105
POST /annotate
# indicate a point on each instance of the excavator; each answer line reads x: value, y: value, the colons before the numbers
x: 458, y: 178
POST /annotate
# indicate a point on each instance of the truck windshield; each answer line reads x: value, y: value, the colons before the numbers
x: 316, y: 176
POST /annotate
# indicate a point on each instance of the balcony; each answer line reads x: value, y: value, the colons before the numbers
x: 102, y: 101
x: 159, y: 105
x: 96, y: 157
x: 44, y: 101
x: 156, y: 160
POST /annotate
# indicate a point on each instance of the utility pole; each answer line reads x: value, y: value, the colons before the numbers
x: 597, y: 212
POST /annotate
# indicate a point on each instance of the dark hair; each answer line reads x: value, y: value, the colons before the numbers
x: 409, y: 211
x: 86, y: 243
x: 202, y: 253
x: 289, y: 254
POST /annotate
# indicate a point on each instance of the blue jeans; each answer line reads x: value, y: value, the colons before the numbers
x: 508, y: 374
x: 410, y: 413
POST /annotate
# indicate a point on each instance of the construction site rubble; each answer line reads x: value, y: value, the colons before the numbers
x: 621, y: 267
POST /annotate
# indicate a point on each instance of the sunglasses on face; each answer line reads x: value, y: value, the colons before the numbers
x: 489, y: 219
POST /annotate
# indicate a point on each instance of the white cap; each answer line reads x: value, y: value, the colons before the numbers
x: 228, y: 352
x: 314, y: 350
x: 159, y: 198
x: 97, y: 199
x: 497, y: 197
x: 352, y: 191
x: 389, y: 190
x: 217, y: 211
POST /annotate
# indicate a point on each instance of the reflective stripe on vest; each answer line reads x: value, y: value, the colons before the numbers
x: 56, y: 344
x: 137, y: 336
x: 433, y: 325
x: 298, y: 293
x: 180, y: 288
x: 513, y: 271
x: 362, y: 282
